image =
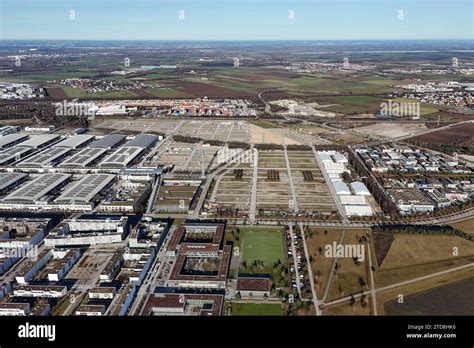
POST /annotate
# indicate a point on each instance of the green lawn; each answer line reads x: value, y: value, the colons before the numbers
x: 263, y: 244
x: 256, y: 309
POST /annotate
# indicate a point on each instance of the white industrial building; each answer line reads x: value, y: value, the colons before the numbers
x: 91, y: 310
x: 47, y: 291
x: 75, y: 141
x: 360, y: 188
x: 352, y: 200
x: 340, y: 187
x: 83, y: 158
x: 79, y: 196
x: 12, y: 139
x: 63, y: 261
x: 14, y: 309
x: 35, y: 194
x: 88, y: 231
x: 30, y: 268
x: 102, y: 293
x: 358, y: 210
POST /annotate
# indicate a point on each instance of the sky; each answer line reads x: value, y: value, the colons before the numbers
x: 236, y: 19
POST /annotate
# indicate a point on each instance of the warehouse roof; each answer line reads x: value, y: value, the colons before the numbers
x: 83, y: 157
x: 352, y: 200
x: 37, y: 188
x: 12, y: 138
x: 340, y: 187
x: 75, y: 141
x: 359, y: 188
x: 142, y: 140
x: 108, y: 141
x: 13, y: 153
x: 7, y: 179
x: 358, y: 210
x: 84, y: 190
x: 121, y: 157
x: 40, y: 140
x: 45, y: 157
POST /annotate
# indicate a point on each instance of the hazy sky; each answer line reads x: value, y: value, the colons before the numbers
x: 236, y: 19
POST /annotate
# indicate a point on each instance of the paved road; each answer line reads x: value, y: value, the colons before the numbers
x: 152, y: 274
x: 293, y: 250
x: 372, y: 282
x: 333, y: 268
x: 253, y: 196
x: 310, y: 271
x: 292, y: 186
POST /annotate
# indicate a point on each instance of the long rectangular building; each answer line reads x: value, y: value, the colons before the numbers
x: 75, y: 141
x: 142, y: 140
x: 40, y: 140
x: 83, y: 158
x: 34, y: 190
x: 10, y: 180
x: 121, y: 157
x: 13, y: 154
x: 45, y: 158
x: 108, y: 141
x: 12, y: 139
x: 84, y: 190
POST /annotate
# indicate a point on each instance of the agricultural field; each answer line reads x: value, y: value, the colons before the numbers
x: 449, y: 299
x: 453, y: 139
x: 261, y: 244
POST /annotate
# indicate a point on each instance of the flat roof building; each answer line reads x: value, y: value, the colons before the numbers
x: 12, y: 139
x: 45, y: 158
x: 360, y: 188
x: 34, y: 190
x: 108, y: 142
x: 41, y: 140
x: 13, y: 154
x: 121, y: 157
x: 75, y: 141
x: 83, y: 158
x: 84, y: 190
x: 143, y: 141
x: 8, y: 181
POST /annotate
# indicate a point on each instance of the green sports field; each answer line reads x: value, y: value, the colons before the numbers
x: 263, y: 244
x: 256, y: 309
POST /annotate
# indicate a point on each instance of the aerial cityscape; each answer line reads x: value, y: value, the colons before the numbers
x: 186, y: 172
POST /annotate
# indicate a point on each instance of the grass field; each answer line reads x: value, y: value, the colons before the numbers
x: 408, y: 250
x: 263, y: 244
x: 465, y: 225
x: 320, y: 264
x: 256, y: 309
x: 346, y: 281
